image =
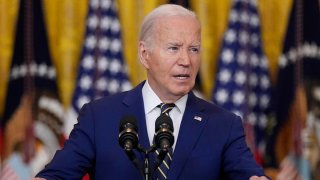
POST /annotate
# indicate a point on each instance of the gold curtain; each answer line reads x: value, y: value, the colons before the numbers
x: 131, y: 13
x: 213, y: 15
x: 274, y: 15
x: 66, y: 24
x: 8, y: 14
x: 65, y: 27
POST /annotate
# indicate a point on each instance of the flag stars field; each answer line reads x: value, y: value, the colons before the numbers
x: 115, y: 66
x: 254, y: 60
x: 254, y: 21
x: 85, y: 82
x: 240, y: 77
x: 102, y: 84
x: 91, y: 42
x: 247, y: 81
x: 227, y: 56
x: 254, y: 40
x: 252, y: 100
x: 230, y: 36
x: 222, y: 96
x: 82, y: 100
x: 241, y: 57
x: 225, y: 76
x: 106, y: 4
x: 93, y: 22
x: 115, y: 46
x: 243, y: 37
x: 233, y: 16
x: 115, y: 26
x: 88, y: 62
x: 104, y: 44
x: 94, y: 4
x: 244, y: 17
x: 105, y: 23
x: 105, y: 73
x: 103, y: 64
x: 238, y: 98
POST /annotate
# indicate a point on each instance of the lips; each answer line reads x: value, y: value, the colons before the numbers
x: 182, y: 76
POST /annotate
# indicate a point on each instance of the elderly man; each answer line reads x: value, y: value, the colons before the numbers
x: 209, y: 141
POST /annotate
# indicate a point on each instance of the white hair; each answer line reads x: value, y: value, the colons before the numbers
x: 166, y: 10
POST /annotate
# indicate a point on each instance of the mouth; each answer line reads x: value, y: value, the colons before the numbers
x: 182, y: 76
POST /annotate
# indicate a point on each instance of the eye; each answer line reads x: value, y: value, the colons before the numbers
x: 173, y: 48
x: 194, y: 49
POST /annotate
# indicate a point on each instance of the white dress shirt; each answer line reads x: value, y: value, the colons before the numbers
x: 151, y: 101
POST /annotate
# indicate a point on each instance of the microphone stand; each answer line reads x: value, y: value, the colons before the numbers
x: 147, y: 173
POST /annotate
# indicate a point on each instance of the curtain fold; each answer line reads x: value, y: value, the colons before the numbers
x: 8, y: 17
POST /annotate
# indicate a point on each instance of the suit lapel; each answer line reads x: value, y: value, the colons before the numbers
x: 191, y: 127
x: 134, y: 102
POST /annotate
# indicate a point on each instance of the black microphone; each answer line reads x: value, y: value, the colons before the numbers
x: 128, y: 136
x: 164, y: 138
x: 128, y: 139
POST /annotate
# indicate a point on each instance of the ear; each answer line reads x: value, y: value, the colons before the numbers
x: 143, y: 54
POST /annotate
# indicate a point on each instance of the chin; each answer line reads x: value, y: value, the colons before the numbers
x: 182, y: 92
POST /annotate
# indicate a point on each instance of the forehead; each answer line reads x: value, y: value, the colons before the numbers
x: 178, y: 25
x: 169, y: 21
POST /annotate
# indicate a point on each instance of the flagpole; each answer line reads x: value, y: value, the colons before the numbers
x: 28, y: 50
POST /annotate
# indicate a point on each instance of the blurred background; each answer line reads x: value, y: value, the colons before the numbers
x: 260, y: 60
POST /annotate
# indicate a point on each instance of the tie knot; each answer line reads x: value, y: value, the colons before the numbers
x: 166, y: 107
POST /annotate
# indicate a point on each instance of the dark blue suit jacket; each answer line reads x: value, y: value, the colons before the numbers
x: 212, y: 147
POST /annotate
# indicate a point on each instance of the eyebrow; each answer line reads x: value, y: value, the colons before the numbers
x: 198, y: 44
x: 181, y: 44
x: 175, y: 43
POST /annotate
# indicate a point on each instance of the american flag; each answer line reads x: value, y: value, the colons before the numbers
x: 295, y: 101
x: 32, y: 118
x: 243, y: 83
x: 102, y: 70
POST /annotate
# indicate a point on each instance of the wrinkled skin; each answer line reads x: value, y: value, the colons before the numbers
x: 172, y: 60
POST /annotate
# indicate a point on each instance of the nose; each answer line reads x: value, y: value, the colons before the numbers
x: 184, y: 58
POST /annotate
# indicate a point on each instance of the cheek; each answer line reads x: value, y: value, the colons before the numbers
x: 162, y: 53
x: 196, y: 64
x: 164, y: 62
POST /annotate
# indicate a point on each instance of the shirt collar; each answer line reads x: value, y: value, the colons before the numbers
x: 181, y: 103
x: 151, y: 100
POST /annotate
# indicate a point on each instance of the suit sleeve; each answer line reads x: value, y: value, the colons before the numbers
x: 77, y: 156
x: 238, y: 161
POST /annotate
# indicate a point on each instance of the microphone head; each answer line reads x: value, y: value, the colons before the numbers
x: 128, y: 136
x: 164, y: 132
x: 162, y: 120
x: 128, y: 122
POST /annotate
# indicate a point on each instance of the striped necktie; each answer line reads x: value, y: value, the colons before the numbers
x: 161, y: 172
x: 166, y: 107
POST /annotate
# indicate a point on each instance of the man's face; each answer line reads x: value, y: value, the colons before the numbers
x: 173, y: 60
